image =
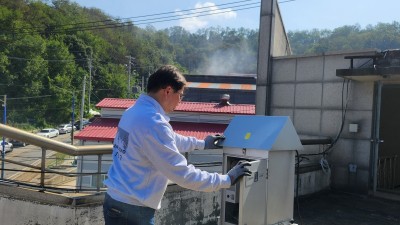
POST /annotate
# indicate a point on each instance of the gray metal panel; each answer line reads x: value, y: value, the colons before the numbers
x: 280, y: 187
x: 287, y: 138
x: 253, y: 195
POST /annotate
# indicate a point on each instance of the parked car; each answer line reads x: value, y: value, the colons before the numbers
x: 84, y: 124
x: 18, y: 143
x: 65, y: 128
x: 94, y: 117
x: 8, y: 147
x: 49, y: 132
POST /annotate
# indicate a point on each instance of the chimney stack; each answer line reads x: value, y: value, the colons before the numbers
x: 225, y: 100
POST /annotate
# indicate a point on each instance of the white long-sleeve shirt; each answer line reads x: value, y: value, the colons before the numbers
x: 146, y: 154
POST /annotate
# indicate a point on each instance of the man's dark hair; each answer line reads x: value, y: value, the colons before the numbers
x: 165, y: 76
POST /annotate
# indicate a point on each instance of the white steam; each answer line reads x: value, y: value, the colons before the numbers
x: 228, y: 61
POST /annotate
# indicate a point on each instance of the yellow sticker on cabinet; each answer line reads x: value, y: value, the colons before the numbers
x: 247, y: 136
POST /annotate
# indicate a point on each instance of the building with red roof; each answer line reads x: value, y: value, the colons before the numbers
x: 196, y: 119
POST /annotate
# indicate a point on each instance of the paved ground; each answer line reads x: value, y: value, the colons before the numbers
x: 334, y: 208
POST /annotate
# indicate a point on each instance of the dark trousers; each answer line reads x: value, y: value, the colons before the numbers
x: 119, y: 213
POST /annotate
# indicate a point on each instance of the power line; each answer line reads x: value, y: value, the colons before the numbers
x: 142, y: 16
x: 48, y: 60
x: 42, y: 96
x: 28, y: 97
x: 144, y: 21
x: 37, y: 110
x: 152, y: 20
x: 198, y: 14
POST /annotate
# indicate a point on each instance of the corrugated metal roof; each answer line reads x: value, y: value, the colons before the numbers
x: 198, y: 130
x: 101, y: 129
x: 204, y: 107
x: 239, y: 109
x: 105, y: 129
x: 116, y: 103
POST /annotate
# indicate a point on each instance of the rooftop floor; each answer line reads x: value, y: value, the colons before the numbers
x: 334, y: 208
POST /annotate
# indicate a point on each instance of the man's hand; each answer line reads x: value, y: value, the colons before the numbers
x: 211, y: 141
x: 238, y: 171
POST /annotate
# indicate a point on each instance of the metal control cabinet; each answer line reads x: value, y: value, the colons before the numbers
x: 266, y: 197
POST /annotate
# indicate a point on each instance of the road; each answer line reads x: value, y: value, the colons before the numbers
x: 29, y: 154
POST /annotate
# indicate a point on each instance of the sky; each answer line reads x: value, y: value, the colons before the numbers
x: 297, y: 14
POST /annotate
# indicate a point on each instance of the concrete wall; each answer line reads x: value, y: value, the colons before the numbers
x: 20, y: 206
x: 307, y: 89
x: 281, y: 42
x: 186, y: 207
x: 14, y: 211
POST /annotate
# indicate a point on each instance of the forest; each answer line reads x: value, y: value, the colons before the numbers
x: 54, y: 52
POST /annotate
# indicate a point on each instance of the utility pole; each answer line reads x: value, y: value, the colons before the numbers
x: 83, y: 102
x: 73, y: 118
x: 3, y: 154
x: 129, y: 75
x: 90, y: 80
x: 143, y: 83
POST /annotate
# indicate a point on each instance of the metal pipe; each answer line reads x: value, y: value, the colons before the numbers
x: 83, y: 102
x: 73, y: 118
x: 43, y: 168
x: 321, y: 141
x: 98, y: 173
x: 3, y: 153
x: 22, y: 164
x: 375, y: 135
x: 67, y: 174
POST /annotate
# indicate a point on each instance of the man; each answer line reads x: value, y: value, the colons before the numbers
x: 146, y: 154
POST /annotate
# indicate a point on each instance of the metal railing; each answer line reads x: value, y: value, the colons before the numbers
x: 47, y: 144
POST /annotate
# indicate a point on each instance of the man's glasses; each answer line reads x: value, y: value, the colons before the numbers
x: 181, y: 95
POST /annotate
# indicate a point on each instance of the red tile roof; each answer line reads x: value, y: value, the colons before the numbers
x: 198, y: 130
x: 116, y: 103
x: 105, y: 129
x: 204, y: 107
x: 101, y: 129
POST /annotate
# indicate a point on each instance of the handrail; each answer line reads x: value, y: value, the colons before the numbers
x: 99, y: 150
x: 57, y: 146
x: 373, y: 57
